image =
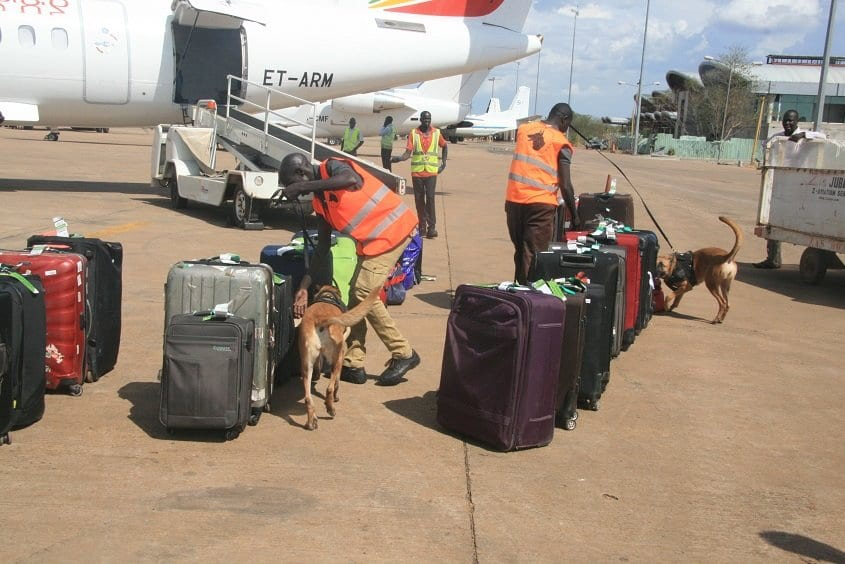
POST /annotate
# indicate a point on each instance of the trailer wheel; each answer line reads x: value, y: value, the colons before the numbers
x: 240, y: 208
x: 813, y: 265
x: 176, y: 201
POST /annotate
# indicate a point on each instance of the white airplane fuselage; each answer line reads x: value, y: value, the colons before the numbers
x: 105, y: 63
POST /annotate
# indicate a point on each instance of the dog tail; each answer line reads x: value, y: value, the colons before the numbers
x: 357, y: 313
x: 739, y: 237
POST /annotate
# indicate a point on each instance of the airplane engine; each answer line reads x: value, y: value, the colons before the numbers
x: 372, y: 102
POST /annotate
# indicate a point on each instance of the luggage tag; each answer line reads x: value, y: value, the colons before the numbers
x: 220, y: 311
x: 61, y: 227
x: 229, y: 258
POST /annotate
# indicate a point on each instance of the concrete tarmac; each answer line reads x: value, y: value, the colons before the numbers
x: 713, y: 443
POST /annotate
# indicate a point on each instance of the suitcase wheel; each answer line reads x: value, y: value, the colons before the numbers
x: 6, y: 439
x: 89, y: 376
x: 267, y: 407
x: 75, y: 390
x: 569, y: 424
x: 254, y: 416
x: 233, y: 433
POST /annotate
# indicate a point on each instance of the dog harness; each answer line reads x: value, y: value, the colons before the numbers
x: 330, y: 298
x: 683, y: 271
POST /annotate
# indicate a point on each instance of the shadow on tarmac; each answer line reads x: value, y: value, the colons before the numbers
x: 419, y: 409
x: 442, y: 300
x: 787, y: 281
x: 24, y: 185
x: 219, y: 216
x: 145, y: 399
x: 803, y: 546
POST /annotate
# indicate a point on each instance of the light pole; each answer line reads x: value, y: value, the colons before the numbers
x: 637, y: 84
x: 572, y: 56
x: 727, y: 99
x: 640, y: 82
x: 492, y: 80
x: 537, y: 82
x: 517, y: 76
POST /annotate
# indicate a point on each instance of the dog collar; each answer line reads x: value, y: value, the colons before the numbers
x: 329, y: 298
x: 683, y: 271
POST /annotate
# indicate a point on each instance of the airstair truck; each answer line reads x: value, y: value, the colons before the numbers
x: 802, y: 201
x: 184, y: 157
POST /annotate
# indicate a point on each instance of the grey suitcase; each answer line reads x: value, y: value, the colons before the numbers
x: 207, y: 374
x: 247, y: 290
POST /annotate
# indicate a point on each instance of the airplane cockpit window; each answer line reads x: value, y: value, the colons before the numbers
x: 59, y: 37
x: 26, y: 36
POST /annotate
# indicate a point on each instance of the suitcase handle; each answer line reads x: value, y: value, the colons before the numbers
x: 581, y: 260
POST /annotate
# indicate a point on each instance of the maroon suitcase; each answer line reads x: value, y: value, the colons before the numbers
x: 63, y: 276
x: 617, y: 206
x: 501, y: 363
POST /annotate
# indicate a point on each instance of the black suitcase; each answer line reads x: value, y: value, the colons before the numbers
x: 595, y: 362
x: 105, y: 288
x: 501, y: 364
x: 572, y: 355
x: 23, y: 331
x: 206, y: 380
x: 596, y: 266
x: 650, y: 248
x: 284, y: 325
x: 615, y: 206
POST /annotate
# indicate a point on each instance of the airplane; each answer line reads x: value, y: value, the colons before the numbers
x: 491, y: 123
x: 448, y: 100
x: 110, y: 63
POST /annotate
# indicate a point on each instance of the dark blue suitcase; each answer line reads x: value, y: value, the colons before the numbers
x: 500, y: 369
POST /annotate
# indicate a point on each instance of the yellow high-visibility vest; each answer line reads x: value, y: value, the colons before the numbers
x: 425, y: 161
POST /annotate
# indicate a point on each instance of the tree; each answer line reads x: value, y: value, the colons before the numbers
x: 715, y: 105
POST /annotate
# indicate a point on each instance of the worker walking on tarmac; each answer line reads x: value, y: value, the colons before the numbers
x: 426, y: 164
x: 539, y: 172
x: 352, y: 138
x: 387, y: 134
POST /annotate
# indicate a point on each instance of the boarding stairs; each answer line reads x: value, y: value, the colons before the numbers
x: 246, y: 129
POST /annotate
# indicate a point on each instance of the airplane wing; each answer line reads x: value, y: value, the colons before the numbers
x: 218, y: 14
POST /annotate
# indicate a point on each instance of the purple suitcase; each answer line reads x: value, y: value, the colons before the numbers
x: 501, y: 365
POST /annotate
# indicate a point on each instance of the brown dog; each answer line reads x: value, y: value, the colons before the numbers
x: 681, y: 272
x: 322, y: 342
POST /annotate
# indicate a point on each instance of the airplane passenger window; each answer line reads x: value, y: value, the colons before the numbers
x: 59, y: 37
x: 26, y: 36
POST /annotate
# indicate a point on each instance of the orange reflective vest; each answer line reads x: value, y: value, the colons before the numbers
x: 375, y: 216
x: 533, y: 174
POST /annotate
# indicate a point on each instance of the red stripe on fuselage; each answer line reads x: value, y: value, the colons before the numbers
x: 466, y: 8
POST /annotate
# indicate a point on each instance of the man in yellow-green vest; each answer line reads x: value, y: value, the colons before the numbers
x: 352, y: 138
x: 427, y: 161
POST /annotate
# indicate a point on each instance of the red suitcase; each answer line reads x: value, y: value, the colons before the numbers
x: 63, y: 276
x: 633, y: 280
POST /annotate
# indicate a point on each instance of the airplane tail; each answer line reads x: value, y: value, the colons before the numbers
x: 520, y: 105
x: 493, y: 106
x: 510, y: 14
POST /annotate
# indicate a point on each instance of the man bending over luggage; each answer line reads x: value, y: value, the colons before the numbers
x: 539, y: 172
x: 350, y: 200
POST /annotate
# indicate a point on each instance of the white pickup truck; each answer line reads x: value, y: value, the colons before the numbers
x: 802, y: 201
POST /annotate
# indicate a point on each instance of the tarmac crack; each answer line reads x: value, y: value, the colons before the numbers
x: 470, y: 506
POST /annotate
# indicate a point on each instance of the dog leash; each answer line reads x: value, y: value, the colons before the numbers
x: 625, y: 176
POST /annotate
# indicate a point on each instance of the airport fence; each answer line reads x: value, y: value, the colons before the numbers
x: 689, y: 147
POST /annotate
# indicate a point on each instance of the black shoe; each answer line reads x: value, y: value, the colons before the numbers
x: 432, y: 233
x: 765, y: 264
x: 397, y: 368
x: 353, y: 375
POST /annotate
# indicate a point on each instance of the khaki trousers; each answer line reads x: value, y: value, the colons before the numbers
x: 371, y: 272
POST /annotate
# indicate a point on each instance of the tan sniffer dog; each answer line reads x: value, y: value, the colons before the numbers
x: 322, y: 342
x: 712, y: 265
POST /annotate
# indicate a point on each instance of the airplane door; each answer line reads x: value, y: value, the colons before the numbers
x: 106, y: 47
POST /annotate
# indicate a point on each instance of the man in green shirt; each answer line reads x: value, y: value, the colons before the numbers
x: 387, y: 135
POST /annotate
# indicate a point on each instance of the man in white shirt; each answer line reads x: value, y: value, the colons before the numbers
x: 795, y: 133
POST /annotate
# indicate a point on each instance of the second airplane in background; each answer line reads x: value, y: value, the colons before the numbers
x: 493, y: 122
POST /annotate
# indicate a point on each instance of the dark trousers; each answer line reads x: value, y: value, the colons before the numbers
x: 385, y: 159
x: 424, y: 198
x: 531, y: 228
